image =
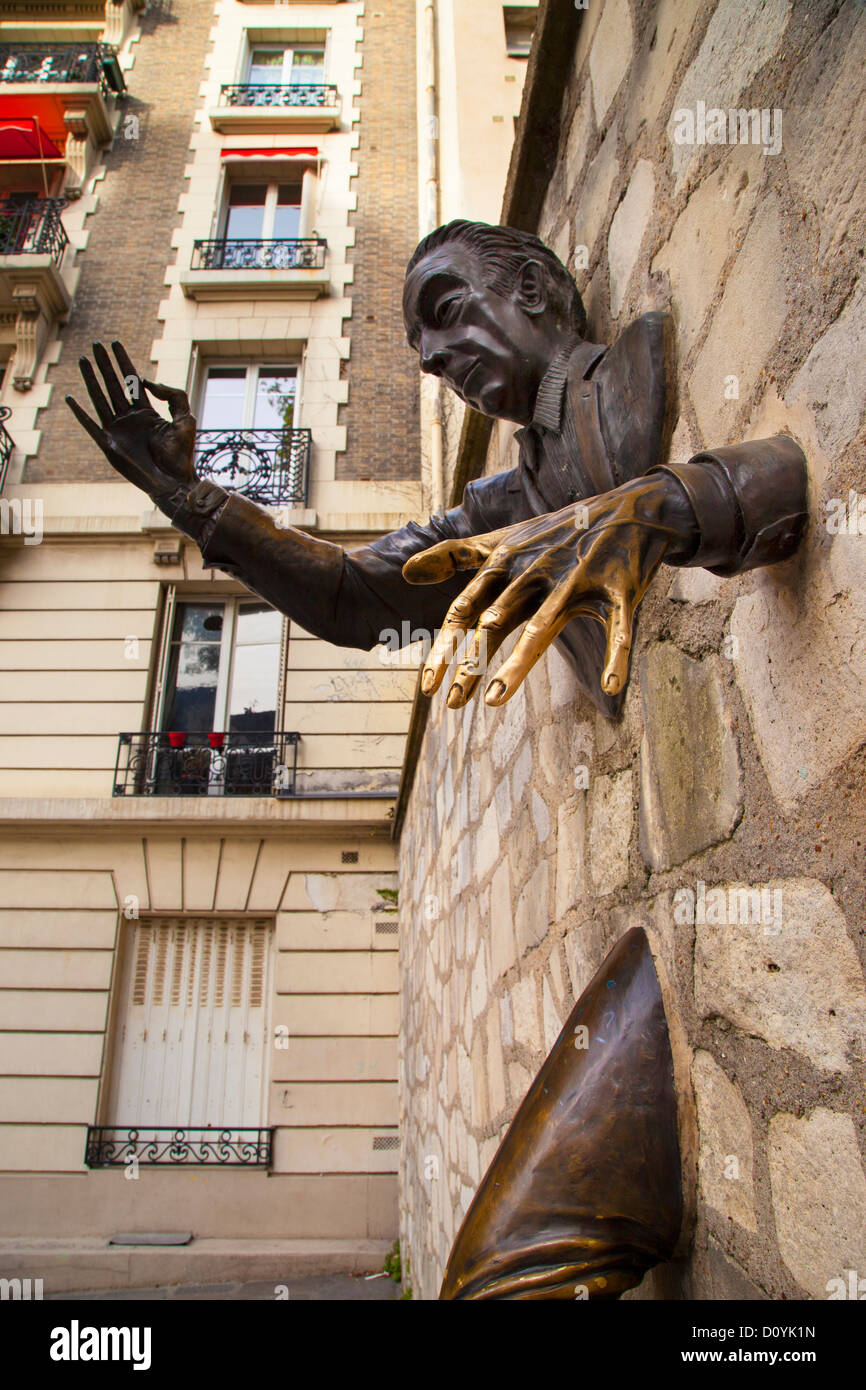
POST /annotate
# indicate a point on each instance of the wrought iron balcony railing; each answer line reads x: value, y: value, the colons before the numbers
x: 268, y: 466
x: 113, y: 1146
x: 273, y: 94
x: 34, y: 226
x: 215, y: 764
x: 7, y: 444
x: 62, y: 62
x: 285, y: 253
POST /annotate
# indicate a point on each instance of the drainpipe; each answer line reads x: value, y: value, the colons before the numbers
x: 431, y: 220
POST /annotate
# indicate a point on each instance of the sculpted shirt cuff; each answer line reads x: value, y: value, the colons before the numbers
x: 750, y: 501
x: 195, y: 511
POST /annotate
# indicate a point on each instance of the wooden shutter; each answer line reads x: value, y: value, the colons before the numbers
x: 190, y: 1038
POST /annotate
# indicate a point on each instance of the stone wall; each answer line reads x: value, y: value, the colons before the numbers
x: 536, y: 835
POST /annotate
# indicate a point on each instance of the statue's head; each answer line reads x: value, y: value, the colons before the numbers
x: 487, y: 308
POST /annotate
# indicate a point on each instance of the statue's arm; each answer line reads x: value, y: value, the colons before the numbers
x: 347, y: 597
x: 750, y: 502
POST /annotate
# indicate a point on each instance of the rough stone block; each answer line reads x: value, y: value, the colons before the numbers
x: 801, y: 665
x: 610, y: 54
x: 691, y: 783
x: 796, y: 984
x: 570, y: 864
x: 627, y: 230
x: 825, y: 125
x: 740, y: 340
x: 595, y: 196
x: 610, y: 823
x: 832, y: 380
x: 503, y: 946
x: 652, y: 72
x: 725, y: 1161
x: 531, y: 919
x: 486, y: 844
x: 739, y: 40
x: 703, y: 237
x: 524, y: 1010
x: 819, y: 1197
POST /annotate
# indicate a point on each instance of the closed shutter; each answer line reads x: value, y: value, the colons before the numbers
x: 190, y: 1036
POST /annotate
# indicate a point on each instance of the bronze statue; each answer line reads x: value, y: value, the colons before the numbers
x: 585, y: 1192
x: 567, y: 542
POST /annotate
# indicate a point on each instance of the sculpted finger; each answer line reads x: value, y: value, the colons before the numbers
x: 483, y: 648
x: 95, y: 392
x: 442, y: 560
x: 461, y: 616
x: 118, y: 396
x: 131, y: 377
x: 96, y: 434
x: 620, y: 626
x: 538, y: 634
x: 178, y: 401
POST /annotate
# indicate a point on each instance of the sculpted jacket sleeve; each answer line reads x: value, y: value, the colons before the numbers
x: 349, y: 598
x: 750, y: 501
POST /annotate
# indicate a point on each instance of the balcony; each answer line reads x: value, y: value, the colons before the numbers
x: 287, y: 268
x: 250, y: 106
x: 268, y: 466
x: 33, y: 293
x: 66, y: 93
x: 113, y: 1146
x: 213, y: 764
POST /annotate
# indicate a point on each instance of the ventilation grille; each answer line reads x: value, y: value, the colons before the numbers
x: 350, y: 856
x: 386, y: 1141
x: 386, y: 928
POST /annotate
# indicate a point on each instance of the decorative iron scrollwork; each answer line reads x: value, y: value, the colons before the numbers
x: 276, y: 94
x: 113, y: 1146
x: 268, y: 466
x: 282, y: 253
x: 212, y: 764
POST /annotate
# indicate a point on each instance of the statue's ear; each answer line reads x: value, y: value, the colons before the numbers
x: 530, y: 288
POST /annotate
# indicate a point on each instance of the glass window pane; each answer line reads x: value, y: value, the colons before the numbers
x: 266, y: 65
x: 275, y: 398
x: 190, y: 703
x: 223, y: 404
x: 255, y: 669
x: 246, y: 212
x: 308, y: 65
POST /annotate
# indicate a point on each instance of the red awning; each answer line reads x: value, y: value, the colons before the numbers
x: 307, y: 152
x: 23, y: 138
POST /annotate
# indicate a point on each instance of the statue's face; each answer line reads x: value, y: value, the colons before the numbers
x: 487, y: 348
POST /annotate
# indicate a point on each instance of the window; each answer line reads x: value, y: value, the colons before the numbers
x: 263, y: 211
x: 253, y: 397
x: 223, y: 670
x: 519, y: 29
x: 286, y: 66
x: 189, y: 1046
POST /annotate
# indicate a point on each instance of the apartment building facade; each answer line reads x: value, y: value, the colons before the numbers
x: 198, y: 923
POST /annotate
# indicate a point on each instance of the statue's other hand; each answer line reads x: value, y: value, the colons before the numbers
x: 592, y: 559
x: 155, y: 454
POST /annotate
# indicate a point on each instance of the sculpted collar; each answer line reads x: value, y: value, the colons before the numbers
x: 551, y: 392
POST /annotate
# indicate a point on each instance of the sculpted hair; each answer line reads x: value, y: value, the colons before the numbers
x: 501, y: 252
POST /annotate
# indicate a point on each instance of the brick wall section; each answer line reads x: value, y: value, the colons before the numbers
x: 123, y: 266
x: 382, y: 413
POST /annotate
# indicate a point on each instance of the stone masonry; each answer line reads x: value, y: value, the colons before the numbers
x: 724, y: 811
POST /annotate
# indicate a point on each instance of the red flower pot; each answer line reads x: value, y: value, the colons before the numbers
x: 216, y: 740
x: 177, y: 740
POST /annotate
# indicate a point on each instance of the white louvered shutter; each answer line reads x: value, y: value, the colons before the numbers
x: 190, y: 1035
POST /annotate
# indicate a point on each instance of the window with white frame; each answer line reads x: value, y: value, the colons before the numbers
x: 286, y: 64
x: 263, y: 211
x: 251, y: 396
x: 191, y: 1023
x: 519, y: 29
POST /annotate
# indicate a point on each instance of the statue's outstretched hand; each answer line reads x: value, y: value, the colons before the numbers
x: 155, y: 454
x: 595, y: 558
